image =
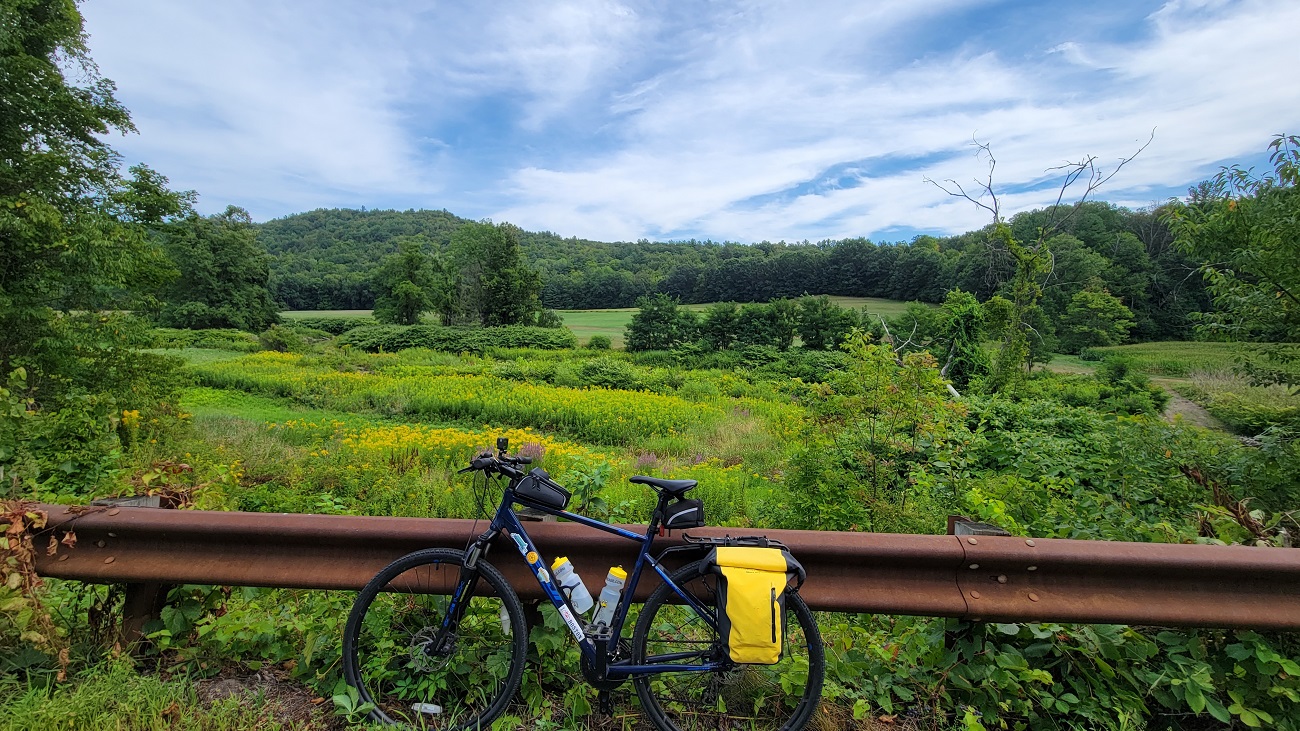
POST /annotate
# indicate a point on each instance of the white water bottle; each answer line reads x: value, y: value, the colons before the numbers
x: 570, y: 583
x: 609, y: 596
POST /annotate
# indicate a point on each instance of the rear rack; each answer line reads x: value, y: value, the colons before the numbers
x: 697, y: 545
x: 735, y: 541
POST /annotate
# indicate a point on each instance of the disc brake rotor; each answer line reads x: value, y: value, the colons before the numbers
x: 425, y: 653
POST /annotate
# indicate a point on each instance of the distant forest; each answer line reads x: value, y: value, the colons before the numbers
x: 325, y: 259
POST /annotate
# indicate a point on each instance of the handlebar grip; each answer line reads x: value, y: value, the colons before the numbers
x: 524, y: 460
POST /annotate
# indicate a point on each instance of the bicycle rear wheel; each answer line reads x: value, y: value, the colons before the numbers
x: 768, y: 697
x: 399, y: 659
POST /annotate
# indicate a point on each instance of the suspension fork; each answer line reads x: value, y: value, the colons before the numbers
x: 468, y: 580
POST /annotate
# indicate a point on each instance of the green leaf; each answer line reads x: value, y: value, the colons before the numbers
x: 860, y: 709
x: 1217, y: 710
x: 1195, y: 699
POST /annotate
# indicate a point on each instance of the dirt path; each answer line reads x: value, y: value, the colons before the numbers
x: 1190, y: 411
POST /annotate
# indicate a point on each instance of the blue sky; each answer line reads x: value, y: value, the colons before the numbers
x: 741, y: 121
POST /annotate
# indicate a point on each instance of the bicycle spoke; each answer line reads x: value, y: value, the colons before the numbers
x: 415, y: 671
x: 742, y: 696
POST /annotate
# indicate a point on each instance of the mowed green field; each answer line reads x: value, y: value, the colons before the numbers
x: 611, y: 323
x: 299, y: 314
x: 1177, y: 358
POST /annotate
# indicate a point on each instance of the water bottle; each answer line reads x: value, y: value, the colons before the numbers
x: 570, y: 583
x: 609, y: 596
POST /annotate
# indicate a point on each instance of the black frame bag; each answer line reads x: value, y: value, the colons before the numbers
x: 538, y: 486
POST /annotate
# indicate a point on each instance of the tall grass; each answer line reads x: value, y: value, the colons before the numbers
x: 602, y: 416
x: 1246, y: 409
x: 1173, y: 358
x: 114, y: 697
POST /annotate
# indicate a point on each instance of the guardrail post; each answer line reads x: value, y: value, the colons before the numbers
x: 960, y: 525
x: 143, y: 601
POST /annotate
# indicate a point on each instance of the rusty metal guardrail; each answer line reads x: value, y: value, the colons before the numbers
x: 990, y: 578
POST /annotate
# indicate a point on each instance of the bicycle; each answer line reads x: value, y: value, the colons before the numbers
x: 438, y: 638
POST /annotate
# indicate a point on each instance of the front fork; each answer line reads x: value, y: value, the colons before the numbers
x: 465, y: 586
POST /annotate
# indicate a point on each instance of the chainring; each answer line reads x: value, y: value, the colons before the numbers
x: 623, y: 652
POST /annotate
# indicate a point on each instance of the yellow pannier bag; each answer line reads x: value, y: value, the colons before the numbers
x: 751, y: 600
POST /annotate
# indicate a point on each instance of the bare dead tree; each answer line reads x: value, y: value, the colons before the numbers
x: 1033, y: 260
x: 1085, y: 169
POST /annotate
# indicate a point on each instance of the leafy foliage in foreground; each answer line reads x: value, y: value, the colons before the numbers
x: 1246, y: 228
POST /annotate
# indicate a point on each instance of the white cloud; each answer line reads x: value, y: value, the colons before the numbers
x: 719, y: 135
x: 621, y: 120
x: 255, y: 102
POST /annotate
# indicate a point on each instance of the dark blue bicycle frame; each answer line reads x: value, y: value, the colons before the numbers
x: 506, y: 522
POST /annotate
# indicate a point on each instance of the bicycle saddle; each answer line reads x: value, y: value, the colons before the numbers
x: 676, y: 488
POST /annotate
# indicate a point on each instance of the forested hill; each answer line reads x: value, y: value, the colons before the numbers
x: 323, y: 259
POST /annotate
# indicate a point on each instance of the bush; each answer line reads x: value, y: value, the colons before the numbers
x: 309, y: 334
x: 1117, y: 388
x: 608, y: 373
x: 217, y: 339
x: 660, y: 324
x: 282, y: 340
x: 599, y: 342
x: 331, y: 325
x: 549, y: 318
x: 391, y: 338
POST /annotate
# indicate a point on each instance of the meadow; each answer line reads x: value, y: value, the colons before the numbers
x: 776, y: 439
x: 1230, y: 381
x: 612, y: 322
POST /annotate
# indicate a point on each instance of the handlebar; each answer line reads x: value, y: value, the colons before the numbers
x: 501, y: 464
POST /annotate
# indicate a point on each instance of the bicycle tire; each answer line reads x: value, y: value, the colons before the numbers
x: 393, y: 623
x: 741, y: 696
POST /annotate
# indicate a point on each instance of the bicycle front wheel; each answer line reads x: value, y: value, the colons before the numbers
x: 760, y: 697
x: 418, y: 674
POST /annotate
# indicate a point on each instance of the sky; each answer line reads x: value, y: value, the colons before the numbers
x: 737, y: 121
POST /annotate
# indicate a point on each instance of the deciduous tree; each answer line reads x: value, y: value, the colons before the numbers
x: 660, y: 324
x: 496, y: 286
x: 404, y: 284
x: 1094, y: 318
x: 1247, y: 230
x: 224, y: 274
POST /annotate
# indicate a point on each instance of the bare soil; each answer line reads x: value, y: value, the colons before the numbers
x: 1189, y: 411
x: 288, y: 702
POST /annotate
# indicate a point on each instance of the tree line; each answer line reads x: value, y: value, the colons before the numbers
x: 323, y: 260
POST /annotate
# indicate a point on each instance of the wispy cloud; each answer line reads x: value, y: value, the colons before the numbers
x: 743, y: 121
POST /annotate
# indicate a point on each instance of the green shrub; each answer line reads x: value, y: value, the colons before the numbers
x: 549, y: 318
x: 1117, y: 387
x: 392, y: 338
x: 218, y: 339
x: 333, y: 325
x: 309, y: 334
x: 282, y: 340
x: 599, y: 342
x: 608, y: 373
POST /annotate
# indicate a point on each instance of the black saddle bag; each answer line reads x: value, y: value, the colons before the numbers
x: 683, y: 513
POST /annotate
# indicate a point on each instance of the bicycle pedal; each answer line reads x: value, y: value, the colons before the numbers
x: 605, y: 703
x: 597, y: 632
